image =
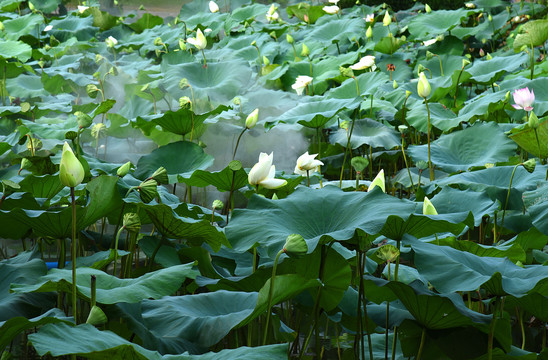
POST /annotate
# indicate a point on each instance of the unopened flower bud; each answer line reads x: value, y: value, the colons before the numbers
x: 387, y: 20
x: 403, y: 129
x: 533, y: 120
x: 465, y: 62
x: 369, y: 32
x: 295, y: 246
x: 378, y: 181
x: 266, y: 62
x: 124, y: 169
x: 427, y: 9
x: 305, y: 51
x: 71, y: 171
x: 395, y: 84
x: 251, y: 119
x: 182, y: 45
x: 428, y: 208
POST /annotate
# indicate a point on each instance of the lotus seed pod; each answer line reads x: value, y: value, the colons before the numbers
x: 71, y: 171
x: 345, y: 125
x: 98, y: 130
x: 92, y: 90
x: 25, y: 164
x: 346, y: 71
x: 217, y: 204
x: 388, y: 253
x: 533, y: 120
x: 254, y: 43
x: 251, y: 119
x: 305, y: 51
x: 183, y: 83
x: 71, y: 135
x: 202, y: 144
x: 529, y: 165
x: 34, y: 144
x: 289, y: 38
x: 96, y: 316
x: 236, y: 101
x: 403, y: 129
x: 98, y: 58
x: 428, y: 208
x: 124, y: 169
x: 185, y: 103
x: 148, y: 190
x: 158, y: 41
x: 359, y: 163
x: 422, y: 165
x: 295, y: 246
x: 84, y: 120
x: 429, y: 55
x: 160, y: 175
x: 132, y: 222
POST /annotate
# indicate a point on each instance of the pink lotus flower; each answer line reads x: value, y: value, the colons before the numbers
x: 523, y: 99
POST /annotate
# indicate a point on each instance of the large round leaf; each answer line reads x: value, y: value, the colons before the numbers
x: 368, y: 132
x: 474, y: 146
x: 179, y: 158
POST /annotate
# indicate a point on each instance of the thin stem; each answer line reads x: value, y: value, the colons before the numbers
x: 441, y: 66
x: 430, y: 169
x: 538, y: 144
x: 73, y: 256
x: 307, y: 178
x: 229, y: 203
x: 116, y: 249
x: 347, y: 148
x: 357, y: 85
x: 457, y: 89
x: 270, y: 292
x: 238, y: 142
x: 507, y: 197
x: 405, y: 160
x: 205, y: 61
x: 421, y: 347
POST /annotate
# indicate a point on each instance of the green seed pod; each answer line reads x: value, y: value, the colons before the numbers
x: 346, y: 71
x: 84, y: 120
x: 359, y: 163
x: 217, y: 204
x: 148, y: 190
x: 388, y: 253
x: 92, y: 90
x: 34, y: 144
x: 185, y: 103
x: 422, y: 165
x: 71, y: 135
x: 345, y: 125
x: 236, y: 101
x: 132, y: 222
x: 158, y: 41
x: 529, y: 165
x: 98, y: 130
x: 183, y: 83
x: 160, y: 176
x: 295, y: 246
x: 96, y: 316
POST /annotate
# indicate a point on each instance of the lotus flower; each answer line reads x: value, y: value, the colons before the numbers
x: 378, y: 181
x: 213, y: 7
x: 333, y: 9
x: 301, y: 83
x: 386, y: 20
x: 523, y: 99
x: 272, y: 14
x: 200, y: 41
x: 262, y: 173
x: 251, y: 119
x: 423, y: 86
x: 71, y: 171
x: 307, y: 163
x: 111, y: 41
x: 364, y: 63
x: 369, y: 18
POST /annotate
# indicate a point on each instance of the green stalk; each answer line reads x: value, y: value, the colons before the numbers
x: 431, y: 171
x: 441, y: 66
x: 93, y: 290
x: 348, y: 146
x: 270, y: 292
x: 492, y: 330
x: 116, y: 249
x: 421, y: 347
x: 538, y: 144
x: 205, y: 61
x: 532, y: 59
x: 73, y: 256
x: 357, y: 85
x: 506, y: 202
x: 229, y: 203
x: 405, y: 160
x: 238, y: 142
x: 387, y: 319
x: 457, y: 89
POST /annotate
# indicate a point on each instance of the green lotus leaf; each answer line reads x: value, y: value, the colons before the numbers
x: 330, y: 29
x: 300, y: 10
x: 146, y: 21
x: 110, y: 289
x: 179, y: 158
x: 537, y: 85
x: 440, y: 117
x: 526, y: 138
x: 45, y: 186
x: 72, y: 26
x: 368, y: 132
x: 222, y: 180
x: 23, y: 25
x: 317, y: 215
x: 47, y: 6
x: 389, y: 45
x: 99, y: 260
x: 534, y: 303
x: 10, y: 5
x: 89, y: 342
x: 474, y: 146
x: 484, y: 30
x: 368, y: 83
x: 537, y: 206
x: 486, y: 72
x: 463, y: 271
x: 482, y: 106
x: 25, y: 86
x: 532, y: 33
x: 427, y: 26
x: 514, y: 252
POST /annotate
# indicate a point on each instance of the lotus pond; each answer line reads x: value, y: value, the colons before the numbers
x: 338, y: 180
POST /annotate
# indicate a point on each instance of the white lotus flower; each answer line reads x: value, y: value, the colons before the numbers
x: 332, y: 10
x: 263, y: 172
x: 81, y: 8
x: 111, y: 41
x: 301, y: 83
x: 213, y: 7
x: 307, y: 163
x: 48, y: 28
x: 272, y: 14
x: 200, y: 41
x: 364, y: 63
x: 369, y: 18
x: 378, y: 181
x: 333, y: 1
x: 430, y: 42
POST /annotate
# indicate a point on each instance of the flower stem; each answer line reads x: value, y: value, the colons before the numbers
x: 431, y: 171
x: 357, y: 85
x: 116, y: 249
x: 238, y: 142
x: 492, y: 330
x: 205, y: 61
x: 423, y: 337
x: 270, y: 292
x: 538, y: 144
x: 73, y: 256
x: 405, y: 160
x: 507, y: 197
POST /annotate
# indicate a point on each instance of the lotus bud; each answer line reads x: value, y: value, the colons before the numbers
x: 213, y: 7
x: 266, y: 62
x: 124, y: 169
x: 236, y: 101
x: 202, y: 144
x: 251, y: 119
x: 96, y: 316
x: 148, y: 190
x: 529, y: 165
x: 142, y: 7
x: 98, y: 130
x: 183, y: 83
x: 25, y: 164
x: 395, y: 84
x: 295, y: 246
x: 481, y: 53
x: 182, y: 45
x: 427, y: 9
x: 533, y: 120
x: 507, y: 96
x: 423, y: 86
x: 378, y: 181
x: 158, y: 41
x: 387, y: 20
x: 359, y: 163
x: 345, y: 125
x: 346, y: 72
x: 92, y: 90
x: 273, y: 35
x: 369, y: 32
x: 71, y: 135
x: 185, y: 103
x: 254, y: 43
x: 71, y: 171
x: 490, y: 18
x: 305, y: 51
x: 388, y: 253
x: 488, y: 56
x: 274, y: 196
x: 84, y: 120
x: 403, y: 129
x: 132, y: 222
x: 422, y: 165
x: 289, y: 38
x: 31, y: 7
x: 465, y: 62
x: 2, y: 27
x: 428, y: 208
x: 160, y: 176
x: 408, y: 93
x: 235, y: 165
